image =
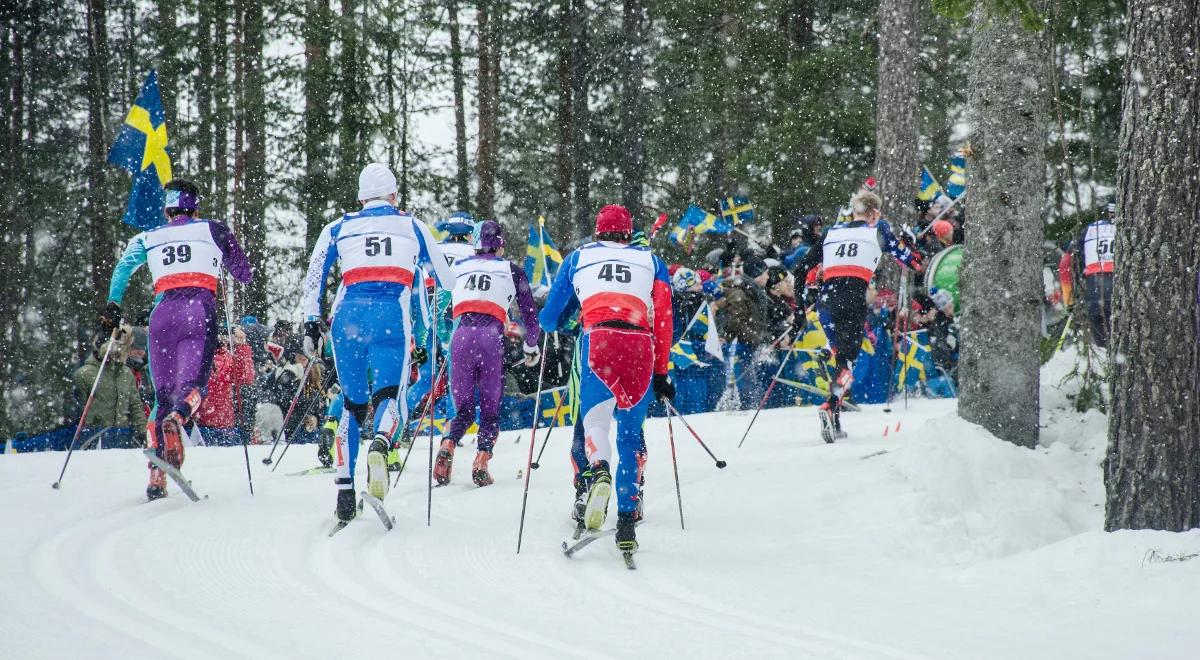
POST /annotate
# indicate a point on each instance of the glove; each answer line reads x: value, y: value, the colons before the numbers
x: 532, y: 354
x: 111, y: 316
x: 663, y: 389
x: 312, y: 336
x: 420, y: 355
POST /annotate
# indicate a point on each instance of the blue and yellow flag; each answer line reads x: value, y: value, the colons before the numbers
x: 915, y: 363
x: 736, y: 210
x: 556, y: 406
x: 958, y: 174
x: 141, y: 148
x: 929, y: 186
x: 692, y: 217
x: 542, y: 259
x: 683, y: 355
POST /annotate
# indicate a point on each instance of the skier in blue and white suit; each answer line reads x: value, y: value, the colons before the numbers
x: 378, y: 250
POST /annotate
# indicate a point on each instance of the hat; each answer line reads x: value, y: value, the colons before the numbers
x: 180, y: 200
x: 753, y: 267
x: 376, y: 181
x: 489, y: 236
x: 684, y: 279
x: 943, y: 229
x: 775, y: 275
x: 460, y: 223
x: 941, y: 298
x: 614, y: 218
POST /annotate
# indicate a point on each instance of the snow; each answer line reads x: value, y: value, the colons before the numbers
x: 932, y: 540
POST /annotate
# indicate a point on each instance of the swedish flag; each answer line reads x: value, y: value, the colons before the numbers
x: 557, y: 409
x: 736, y: 210
x: 141, y: 148
x: 958, y: 174
x: 683, y: 355
x: 915, y: 359
x: 542, y: 259
x: 929, y: 186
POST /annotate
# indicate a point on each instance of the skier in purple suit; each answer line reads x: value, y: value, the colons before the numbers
x: 485, y: 286
x: 185, y: 257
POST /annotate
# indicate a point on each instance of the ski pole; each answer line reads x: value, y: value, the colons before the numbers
x: 537, y: 409
x: 671, y: 409
x: 308, y: 409
x: 674, y: 463
x: 430, y: 400
x: 229, y: 330
x: 291, y: 408
x: 87, y: 405
x: 763, y: 402
x: 536, y: 464
x: 901, y: 302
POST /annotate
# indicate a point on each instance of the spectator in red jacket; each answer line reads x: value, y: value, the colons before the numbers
x: 217, y: 419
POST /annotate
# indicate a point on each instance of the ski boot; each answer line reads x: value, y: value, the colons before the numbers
x: 347, y: 504
x: 395, y: 459
x: 626, y: 536
x: 172, y: 433
x: 826, y: 413
x: 479, y: 469
x: 377, y: 469
x: 597, y: 501
x: 444, y: 462
x: 158, y: 485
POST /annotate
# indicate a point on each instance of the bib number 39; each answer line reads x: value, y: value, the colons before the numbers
x: 176, y: 253
x: 615, y: 272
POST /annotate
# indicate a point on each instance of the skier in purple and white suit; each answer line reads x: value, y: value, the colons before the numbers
x: 485, y: 286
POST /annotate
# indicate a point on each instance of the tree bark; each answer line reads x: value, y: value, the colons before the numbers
x: 169, y: 42
x: 485, y: 156
x: 317, y: 123
x: 462, y: 177
x: 204, y: 98
x: 97, y: 212
x: 1001, y: 276
x: 1152, y: 470
x: 563, y: 154
x: 633, y: 155
x: 350, y: 147
x: 896, y: 163
x: 253, y: 212
x: 581, y: 172
x: 222, y: 92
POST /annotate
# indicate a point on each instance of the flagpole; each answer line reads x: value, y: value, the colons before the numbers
x: 542, y: 246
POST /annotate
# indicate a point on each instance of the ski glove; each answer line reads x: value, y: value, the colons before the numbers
x: 532, y: 354
x: 420, y: 355
x: 663, y: 389
x: 111, y: 316
x: 312, y: 336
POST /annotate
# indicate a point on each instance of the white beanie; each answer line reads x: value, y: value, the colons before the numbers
x: 376, y: 181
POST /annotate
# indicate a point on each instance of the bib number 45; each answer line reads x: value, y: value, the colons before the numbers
x: 615, y: 272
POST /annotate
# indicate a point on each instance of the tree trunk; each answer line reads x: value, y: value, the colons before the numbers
x: 222, y: 92
x: 99, y: 218
x: 896, y: 164
x: 563, y: 153
x: 485, y: 165
x: 317, y: 125
x: 204, y: 99
x: 350, y: 147
x: 169, y: 42
x: 581, y: 170
x: 633, y: 155
x: 1152, y: 470
x: 462, y: 177
x: 1001, y: 276
x: 253, y: 212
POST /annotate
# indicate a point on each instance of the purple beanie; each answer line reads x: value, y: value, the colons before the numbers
x: 489, y: 236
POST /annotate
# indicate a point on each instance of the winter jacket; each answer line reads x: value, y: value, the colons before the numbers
x: 742, y: 315
x: 229, y: 371
x: 780, y: 314
x: 117, y: 403
x: 684, y: 305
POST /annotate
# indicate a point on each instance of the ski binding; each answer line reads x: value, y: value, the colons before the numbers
x: 176, y: 475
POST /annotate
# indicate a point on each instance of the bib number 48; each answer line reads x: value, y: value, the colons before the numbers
x: 615, y: 272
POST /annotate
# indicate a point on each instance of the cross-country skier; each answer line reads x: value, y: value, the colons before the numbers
x: 378, y: 250
x: 625, y: 298
x: 457, y: 245
x: 185, y: 257
x: 849, y: 254
x: 485, y: 286
x: 1095, y: 258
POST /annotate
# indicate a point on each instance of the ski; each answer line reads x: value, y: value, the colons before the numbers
x: 313, y: 470
x: 176, y: 475
x: 384, y: 517
x: 826, y: 426
x: 571, y: 548
x: 580, y: 528
x: 341, y: 524
x: 628, y: 557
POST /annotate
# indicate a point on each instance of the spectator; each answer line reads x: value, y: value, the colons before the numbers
x: 803, y: 238
x: 741, y: 313
x: 781, y: 300
x: 934, y: 312
x: 217, y: 418
x: 116, y: 417
x: 691, y: 382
